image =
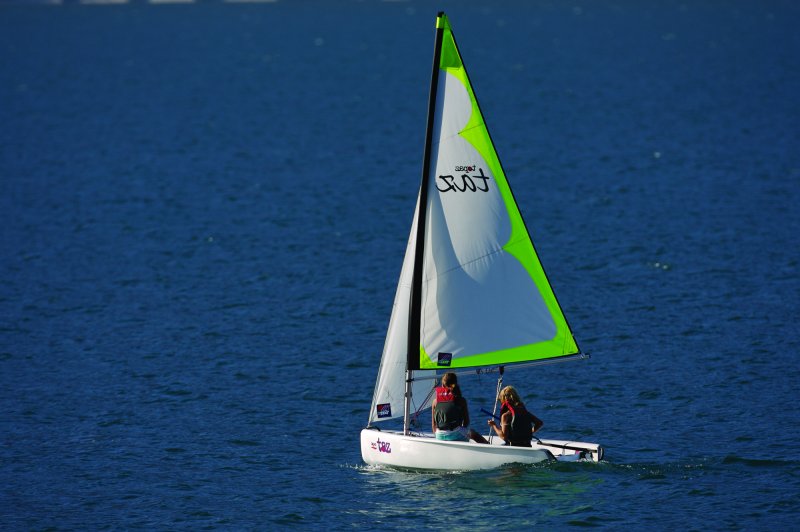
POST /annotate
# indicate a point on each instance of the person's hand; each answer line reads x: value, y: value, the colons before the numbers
x: 492, y: 423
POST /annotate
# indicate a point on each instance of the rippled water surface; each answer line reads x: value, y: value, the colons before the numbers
x: 204, y: 208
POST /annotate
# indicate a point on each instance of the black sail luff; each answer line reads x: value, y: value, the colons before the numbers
x: 415, y: 308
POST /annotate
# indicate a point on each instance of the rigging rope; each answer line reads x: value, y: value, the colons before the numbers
x: 496, y: 398
x: 415, y: 415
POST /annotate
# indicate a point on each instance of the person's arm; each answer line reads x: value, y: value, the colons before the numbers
x: 466, y: 412
x: 537, y: 423
x: 505, y: 424
x: 433, y: 416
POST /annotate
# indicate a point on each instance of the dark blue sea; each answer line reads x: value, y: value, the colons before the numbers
x: 203, y: 213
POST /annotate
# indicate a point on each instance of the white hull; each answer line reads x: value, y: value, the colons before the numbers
x: 393, y: 449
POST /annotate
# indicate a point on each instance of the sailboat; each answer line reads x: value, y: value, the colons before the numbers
x: 472, y: 295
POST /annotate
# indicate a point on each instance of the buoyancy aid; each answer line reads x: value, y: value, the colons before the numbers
x: 521, y: 428
x: 448, y: 413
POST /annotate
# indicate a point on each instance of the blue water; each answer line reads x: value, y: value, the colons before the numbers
x: 204, y: 208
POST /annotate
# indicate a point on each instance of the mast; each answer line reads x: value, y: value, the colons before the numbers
x: 415, y: 308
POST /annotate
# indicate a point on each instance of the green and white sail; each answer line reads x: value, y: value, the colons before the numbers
x: 484, y: 297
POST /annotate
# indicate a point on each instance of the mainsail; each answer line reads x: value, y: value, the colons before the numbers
x: 479, y: 296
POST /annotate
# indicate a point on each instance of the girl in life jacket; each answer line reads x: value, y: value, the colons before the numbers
x: 449, y: 413
x: 517, y: 425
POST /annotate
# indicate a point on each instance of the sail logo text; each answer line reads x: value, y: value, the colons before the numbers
x: 382, y: 446
x: 464, y: 182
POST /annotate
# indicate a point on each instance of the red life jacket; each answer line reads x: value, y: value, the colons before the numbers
x: 521, y: 425
x: 444, y: 395
x: 448, y: 414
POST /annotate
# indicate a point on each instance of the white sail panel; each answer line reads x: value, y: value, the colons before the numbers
x: 388, y: 398
x: 477, y: 297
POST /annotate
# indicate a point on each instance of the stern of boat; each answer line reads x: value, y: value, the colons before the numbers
x: 571, y: 451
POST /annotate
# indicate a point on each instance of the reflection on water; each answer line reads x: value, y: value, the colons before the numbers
x: 558, y: 493
x: 535, y: 492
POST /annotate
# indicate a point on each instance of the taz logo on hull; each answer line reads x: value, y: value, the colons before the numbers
x: 381, y: 446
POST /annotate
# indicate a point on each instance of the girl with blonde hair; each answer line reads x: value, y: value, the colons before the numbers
x: 517, y: 425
